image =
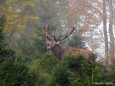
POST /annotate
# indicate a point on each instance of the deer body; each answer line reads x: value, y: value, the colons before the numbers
x: 53, y: 44
x: 60, y: 52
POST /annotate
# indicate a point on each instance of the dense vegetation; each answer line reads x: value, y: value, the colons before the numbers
x: 33, y: 66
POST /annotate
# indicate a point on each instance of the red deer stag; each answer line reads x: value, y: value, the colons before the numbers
x: 53, y: 44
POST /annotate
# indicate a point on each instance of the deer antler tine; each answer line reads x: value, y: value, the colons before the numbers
x: 46, y: 27
x: 59, y: 37
x: 55, y: 38
x: 67, y: 34
x: 73, y: 28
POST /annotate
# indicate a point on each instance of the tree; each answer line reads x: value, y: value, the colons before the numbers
x: 111, y: 36
x: 105, y: 28
x: 85, y: 15
x: 11, y: 73
x: 77, y: 42
x: 14, y: 15
x: 16, y: 20
x: 89, y: 16
x: 2, y: 22
x: 39, y: 40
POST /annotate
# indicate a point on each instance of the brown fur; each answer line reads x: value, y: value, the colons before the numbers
x: 75, y: 51
x: 70, y: 51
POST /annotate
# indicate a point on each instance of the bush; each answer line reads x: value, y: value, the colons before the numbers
x: 112, y: 72
x: 42, y: 67
x: 76, y: 71
x: 59, y: 77
x: 12, y: 74
x: 48, y: 61
x: 80, y: 70
x: 48, y: 70
x: 70, y: 71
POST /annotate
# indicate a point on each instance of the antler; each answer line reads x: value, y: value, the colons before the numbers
x: 46, y: 28
x: 61, y: 37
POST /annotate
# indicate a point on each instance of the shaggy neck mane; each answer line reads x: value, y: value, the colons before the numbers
x: 58, y: 51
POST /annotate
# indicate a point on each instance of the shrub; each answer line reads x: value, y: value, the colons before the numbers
x: 59, y: 77
x: 42, y: 67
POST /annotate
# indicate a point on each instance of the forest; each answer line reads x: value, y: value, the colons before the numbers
x: 57, y: 42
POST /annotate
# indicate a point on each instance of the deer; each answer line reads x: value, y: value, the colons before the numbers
x: 53, y: 44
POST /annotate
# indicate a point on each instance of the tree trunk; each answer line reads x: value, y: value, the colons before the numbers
x: 111, y: 36
x: 105, y: 29
x: 2, y: 22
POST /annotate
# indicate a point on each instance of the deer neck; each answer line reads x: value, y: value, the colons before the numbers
x: 58, y: 51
